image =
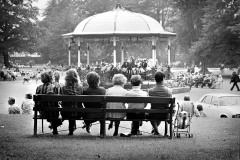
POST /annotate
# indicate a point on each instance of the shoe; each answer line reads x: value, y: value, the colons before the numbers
x: 50, y: 127
x: 88, y: 128
x: 125, y: 134
x: 158, y: 134
x: 139, y: 133
x: 55, y: 132
x: 70, y: 133
x: 59, y: 123
x: 110, y: 125
x: 115, y: 134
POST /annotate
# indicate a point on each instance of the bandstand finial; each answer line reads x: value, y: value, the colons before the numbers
x: 118, y: 6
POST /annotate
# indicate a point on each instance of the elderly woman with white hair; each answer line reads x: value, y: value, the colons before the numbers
x: 117, y: 90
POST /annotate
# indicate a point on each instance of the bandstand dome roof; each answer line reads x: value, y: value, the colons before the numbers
x: 119, y: 22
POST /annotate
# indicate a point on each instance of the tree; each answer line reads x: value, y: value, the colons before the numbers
x: 220, y: 40
x: 17, y: 27
x: 189, y: 23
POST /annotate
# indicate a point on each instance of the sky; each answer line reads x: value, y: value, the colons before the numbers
x: 41, y: 4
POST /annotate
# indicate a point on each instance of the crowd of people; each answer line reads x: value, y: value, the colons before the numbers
x: 131, y: 66
x: 73, y: 86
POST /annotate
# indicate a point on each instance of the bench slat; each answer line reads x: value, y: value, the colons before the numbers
x: 98, y: 110
x: 99, y: 98
x: 67, y: 98
x: 120, y: 99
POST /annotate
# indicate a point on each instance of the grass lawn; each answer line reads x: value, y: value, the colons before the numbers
x: 212, y: 139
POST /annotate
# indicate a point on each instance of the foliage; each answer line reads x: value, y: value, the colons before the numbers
x: 17, y: 27
x: 188, y: 24
x: 220, y: 40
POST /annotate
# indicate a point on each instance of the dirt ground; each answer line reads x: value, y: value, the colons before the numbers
x: 212, y: 139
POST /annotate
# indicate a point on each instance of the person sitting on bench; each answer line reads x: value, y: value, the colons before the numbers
x: 159, y: 90
x: 136, y: 92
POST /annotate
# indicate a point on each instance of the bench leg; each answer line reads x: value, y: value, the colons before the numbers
x: 104, y: 128
x: 171, y: 128
x: 35, y: 123
x: 166, y: 128
x: 42, y: 126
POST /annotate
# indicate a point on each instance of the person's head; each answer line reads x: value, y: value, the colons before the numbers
x: 28, y: 96
x: 71, y: 76
x: 119, y: 79
x: 186, y: 98
x: 136, y: 80
x: 46, y: 77
x: 93, y: 79
x: 56, y: 75
x: 199, y: 107
x: 11, y: 101
x: 159, y: 76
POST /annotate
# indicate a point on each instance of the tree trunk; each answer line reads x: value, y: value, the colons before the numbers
x: 204, y: 70
x: 6, y: 59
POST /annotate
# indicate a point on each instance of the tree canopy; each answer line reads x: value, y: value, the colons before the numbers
x: 220, y: 38
x: 206, y: 30
x: 18, y: 29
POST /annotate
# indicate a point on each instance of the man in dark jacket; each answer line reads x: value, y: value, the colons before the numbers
x: 235, y: 80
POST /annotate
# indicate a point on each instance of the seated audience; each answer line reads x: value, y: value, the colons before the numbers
x: 188, y: 106
x: 13, y: 108
x: 159, y: 90
x: 217, y: 83
x: 200, y: 110
x: 117, y: 90
x: 72, y: 86
x: 93, y: 80
x: 136, y: 92
x: 27, y: 105
x: 48, y: 88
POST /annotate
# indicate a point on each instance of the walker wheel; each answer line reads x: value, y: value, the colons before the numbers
x: 178, y: 135
x: 191, y: 135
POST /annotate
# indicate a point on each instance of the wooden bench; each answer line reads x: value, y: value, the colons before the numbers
x: 105, y: 99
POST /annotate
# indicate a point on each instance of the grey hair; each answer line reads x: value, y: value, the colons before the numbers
x: 119, y: 79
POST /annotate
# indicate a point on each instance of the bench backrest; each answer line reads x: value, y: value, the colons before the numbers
x: 102, y: 98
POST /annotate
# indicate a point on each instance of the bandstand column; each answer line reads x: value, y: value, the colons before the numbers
x: 122, y: 54
x: 69, y: 51
x: 154, y: 50
x: 114, y: 51
x: 169, y: 58
x: 79, y: 53
x: 88, y: 48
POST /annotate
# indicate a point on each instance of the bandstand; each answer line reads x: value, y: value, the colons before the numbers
x: 117, y: 26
